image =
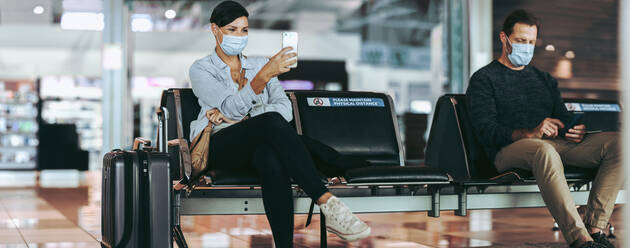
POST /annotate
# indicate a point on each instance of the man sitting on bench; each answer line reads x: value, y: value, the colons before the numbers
x: 518, y: 115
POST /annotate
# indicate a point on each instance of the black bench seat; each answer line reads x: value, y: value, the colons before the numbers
x: 240, y: 178
x: 233, y: 178
x: 372, y: 175
x: 393, y: 175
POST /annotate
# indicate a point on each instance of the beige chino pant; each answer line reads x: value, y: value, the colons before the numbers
x: 546, y: 159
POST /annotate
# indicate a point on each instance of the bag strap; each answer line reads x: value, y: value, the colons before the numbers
x: 206, y: 131
x: 178, y: 113
x: 185, y: 161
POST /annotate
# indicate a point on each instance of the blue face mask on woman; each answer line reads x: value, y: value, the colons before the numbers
x: 521, y: 54
x: 233, y: 45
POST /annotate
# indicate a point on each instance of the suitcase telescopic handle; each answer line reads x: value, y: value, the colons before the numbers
x: 138, y: 141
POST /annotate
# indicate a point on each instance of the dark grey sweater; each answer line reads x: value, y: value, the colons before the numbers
x: 502, y: 100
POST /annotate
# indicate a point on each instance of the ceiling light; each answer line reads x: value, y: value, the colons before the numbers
x: 570, y: 54
x: 141, y: 23
x: 170, y: 14
x: 38, y: 10
x: 82, y: 21
x: 550, y: 48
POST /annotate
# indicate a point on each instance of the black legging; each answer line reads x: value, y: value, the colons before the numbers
x: 271, y: 146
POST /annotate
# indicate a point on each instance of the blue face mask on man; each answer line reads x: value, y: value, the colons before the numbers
x: 521, y: 54
x: 233, y: 45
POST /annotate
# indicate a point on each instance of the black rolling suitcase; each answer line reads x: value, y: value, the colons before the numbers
x: 136, y: 194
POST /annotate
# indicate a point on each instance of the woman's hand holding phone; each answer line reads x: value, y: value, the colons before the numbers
x: 279, y: 63
x: 276, y: 65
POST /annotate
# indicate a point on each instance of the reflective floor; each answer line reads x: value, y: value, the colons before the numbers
x: 62, y: 209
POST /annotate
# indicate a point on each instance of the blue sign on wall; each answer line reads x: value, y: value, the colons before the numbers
x: 344, y: 102
x: 592, y: 107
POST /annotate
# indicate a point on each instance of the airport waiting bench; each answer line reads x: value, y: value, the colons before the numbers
x: 361, y: 125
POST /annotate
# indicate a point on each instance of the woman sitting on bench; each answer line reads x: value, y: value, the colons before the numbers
x: 246, y: 89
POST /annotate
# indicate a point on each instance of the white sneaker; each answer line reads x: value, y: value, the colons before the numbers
x: 340, y: 221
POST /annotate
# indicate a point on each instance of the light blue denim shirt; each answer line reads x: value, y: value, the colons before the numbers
x: 212, y: 84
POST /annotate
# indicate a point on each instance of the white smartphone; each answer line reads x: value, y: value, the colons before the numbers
x: 290, y: 39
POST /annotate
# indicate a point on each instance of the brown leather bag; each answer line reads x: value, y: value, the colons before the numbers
x: 200, y: 146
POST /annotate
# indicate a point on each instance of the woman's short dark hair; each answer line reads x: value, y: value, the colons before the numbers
x: 519, y: 16
x: 226, y: 12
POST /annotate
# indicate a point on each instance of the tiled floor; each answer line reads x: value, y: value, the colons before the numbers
x: 63, y: 210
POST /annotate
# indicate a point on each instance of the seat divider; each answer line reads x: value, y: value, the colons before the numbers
x: 296, y: 113
x: 401, y: 150
x: 461, y: 135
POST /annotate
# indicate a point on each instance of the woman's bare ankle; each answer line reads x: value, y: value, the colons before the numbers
x: 324, y: 198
